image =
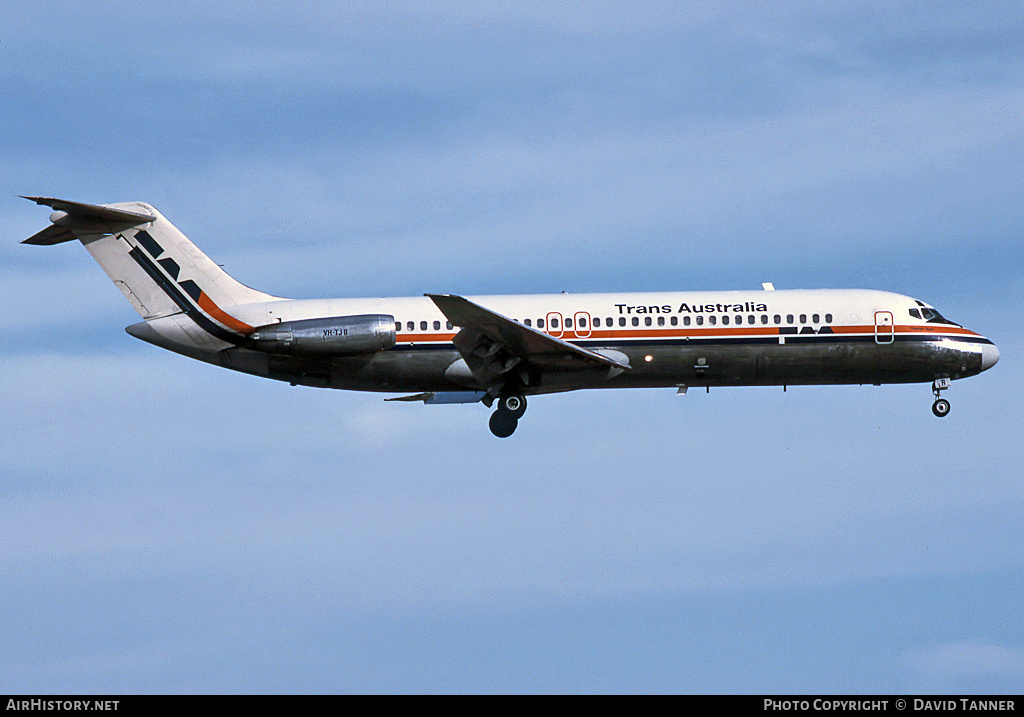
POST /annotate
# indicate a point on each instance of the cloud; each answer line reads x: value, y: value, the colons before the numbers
x: 953, y: 666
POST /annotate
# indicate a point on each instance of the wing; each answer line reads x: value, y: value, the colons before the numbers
x: 498, y: 349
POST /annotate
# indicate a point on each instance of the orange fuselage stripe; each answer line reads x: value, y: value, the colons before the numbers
x: 207, y: 305
x: 676, y: 333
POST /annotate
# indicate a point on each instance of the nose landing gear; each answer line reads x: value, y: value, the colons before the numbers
x: 505, y: 419
x: 941, y: 406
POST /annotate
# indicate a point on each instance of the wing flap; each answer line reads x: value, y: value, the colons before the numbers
x: 443, y: 397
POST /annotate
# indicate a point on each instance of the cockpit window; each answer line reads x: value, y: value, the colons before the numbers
x: 915, y: 313
x: 934, y: 317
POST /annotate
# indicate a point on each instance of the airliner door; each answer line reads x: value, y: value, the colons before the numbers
x: 884, y: 328
x: 554, y: 322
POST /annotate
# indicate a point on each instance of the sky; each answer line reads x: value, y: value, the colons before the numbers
x: 168, y: 526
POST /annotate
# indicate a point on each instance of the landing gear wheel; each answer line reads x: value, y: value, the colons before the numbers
x: 514, y: 405
x: 503, y: 424
x: 941, y: 407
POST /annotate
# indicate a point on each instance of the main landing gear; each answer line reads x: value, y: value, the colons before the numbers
x: 941, y: 406
x: 505, y: 419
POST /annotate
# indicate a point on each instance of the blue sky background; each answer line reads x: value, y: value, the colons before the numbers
x: 168, y: 526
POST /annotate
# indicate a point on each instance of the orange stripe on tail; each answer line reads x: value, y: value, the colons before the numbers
x: 207, y: 305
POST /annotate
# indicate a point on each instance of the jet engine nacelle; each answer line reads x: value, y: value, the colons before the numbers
x: 339, y: 335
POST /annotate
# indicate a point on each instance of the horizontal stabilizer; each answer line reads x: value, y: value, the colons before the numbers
x: 53, y: 234
x: 70, y: 215
x: 101, y: 212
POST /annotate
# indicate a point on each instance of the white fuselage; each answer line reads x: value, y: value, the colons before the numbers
x: 450, y: 348
x: 669, y: 338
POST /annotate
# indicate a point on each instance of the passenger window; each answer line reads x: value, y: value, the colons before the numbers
x: 764, y: 318
x: 568, y: 323
x: 437, y: 326
x: 540, y: 323
x: 647, y: 321
x: 789, y: 318
x: 777, y: 319
x: 636, y: 321
x: 712, y: 320
x: 828, y: 318
x: 411, y: 326
x: 816, y: 319
x: 448, y: 325
x: 700, y: 320
x: 725, y: 320
x: 661, y: 321
x: 751, y: 320
x: 529, y: 323
x: 423, y: 326
x: 739, y: 320
x: 622, y: 321
x: 554, y: 323
x: 583, y: 322
x: 686, y: 321
x: 803, y: 318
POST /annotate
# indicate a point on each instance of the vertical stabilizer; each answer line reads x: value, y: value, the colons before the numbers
x: 155, y: 266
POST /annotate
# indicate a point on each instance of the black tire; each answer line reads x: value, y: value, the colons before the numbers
x: 941, y: 407
x: 503, y: 424
x: 514, y: 405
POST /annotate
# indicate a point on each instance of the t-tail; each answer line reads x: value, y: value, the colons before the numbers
x: 155, y: 266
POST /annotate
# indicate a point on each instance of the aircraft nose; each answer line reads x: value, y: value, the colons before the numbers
x: 989, y: 356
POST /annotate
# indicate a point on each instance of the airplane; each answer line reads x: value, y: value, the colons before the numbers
x: 443, y: 348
